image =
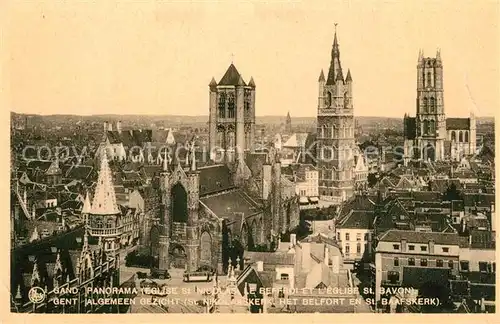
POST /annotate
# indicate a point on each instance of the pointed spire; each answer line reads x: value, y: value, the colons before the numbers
x: 193, y: 157
x: 335, y: 42
x: 241, y: 82
x: 86, y: 204
x: 165, y: 162
x: 212, y: 83
x: 252, y: 82
x: 104, y: 202
x: 348, y: 78
x: 438, y: 55
x: 420, y: 55
x: 321, y: 76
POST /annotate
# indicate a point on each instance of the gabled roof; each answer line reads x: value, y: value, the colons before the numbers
x: 231, y: 77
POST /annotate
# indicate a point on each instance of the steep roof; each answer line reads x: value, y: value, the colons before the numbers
x: 104, y: 202
x: 86, y: 205
x: 214, y: 179
x: 231, y: 77
x: 457, y: 123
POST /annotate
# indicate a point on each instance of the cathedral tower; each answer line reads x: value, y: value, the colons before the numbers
x: 232, y: 115
x: 335, y: 160
x: 430, y: 119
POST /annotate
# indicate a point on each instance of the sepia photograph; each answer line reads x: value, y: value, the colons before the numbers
x: 251, y: 157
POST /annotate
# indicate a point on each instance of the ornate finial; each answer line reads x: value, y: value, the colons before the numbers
x: 165, y: 162
x: 336, y: 27
x: 232, y: 58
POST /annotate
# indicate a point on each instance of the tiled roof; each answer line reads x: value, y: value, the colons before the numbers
x: 358, y: 219
x: 420, y: 237
x: 104, y: 202
x: 214, y: 179
x: 79, y: 172
x: 227, y: 204
x: 457, y: 123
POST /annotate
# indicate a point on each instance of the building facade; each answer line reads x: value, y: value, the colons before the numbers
x: 335, y: 135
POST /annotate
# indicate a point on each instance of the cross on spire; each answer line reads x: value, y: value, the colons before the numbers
x: 232, y: 58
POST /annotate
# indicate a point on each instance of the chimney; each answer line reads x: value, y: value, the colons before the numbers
x: 260, y: 266
x: 403, y: 245
x: 119, y: 126
x: 293, y: 240
x: 431, y: 247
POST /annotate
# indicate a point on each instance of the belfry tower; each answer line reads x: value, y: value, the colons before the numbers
x: 231, y: 115
x: 430, y: 118
x: 335, y: 160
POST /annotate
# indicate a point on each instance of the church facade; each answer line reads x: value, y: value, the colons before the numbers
x: 430, y: 135
x: 335, y: 134
x: 210, y: 214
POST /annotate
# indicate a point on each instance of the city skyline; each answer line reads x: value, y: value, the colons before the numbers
x: 156, y: 64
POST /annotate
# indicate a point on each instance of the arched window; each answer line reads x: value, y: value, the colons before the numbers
x: 429, y: 79
x: 328, y: 99
x: 425, y: 125
x: 466, y: 137
x: 335, y: 132
x: 460, y: 137
x: 432, y: 105
x: 432, y: 126
x: 453, y: 136
x: 222, y: 105
x: 230, y: 106
x: 425, y: 105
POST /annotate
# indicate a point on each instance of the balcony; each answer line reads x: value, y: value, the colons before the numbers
x: 105, y: 232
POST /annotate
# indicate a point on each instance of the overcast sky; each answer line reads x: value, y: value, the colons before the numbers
x: 156, y: 57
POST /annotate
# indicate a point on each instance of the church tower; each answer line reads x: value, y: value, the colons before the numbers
x: 335, y: 121
x: 104, y: 219
x: 232, y: 116
x: 430, y: 118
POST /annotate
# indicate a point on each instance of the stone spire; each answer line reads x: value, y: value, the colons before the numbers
x: 104, y: 202
x: 335, y: 71
x: 321, y: 76
x: 86, y: 205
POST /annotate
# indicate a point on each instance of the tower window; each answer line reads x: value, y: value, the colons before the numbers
x: 425, y: 105
x: 466, y: 137
x: 222, y: 105
x: 460, y: 137
x: 432, y: 105
x: 453, y: 136
x: 429, y: 79
x: 230, y: 106
x: 328, y: 99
